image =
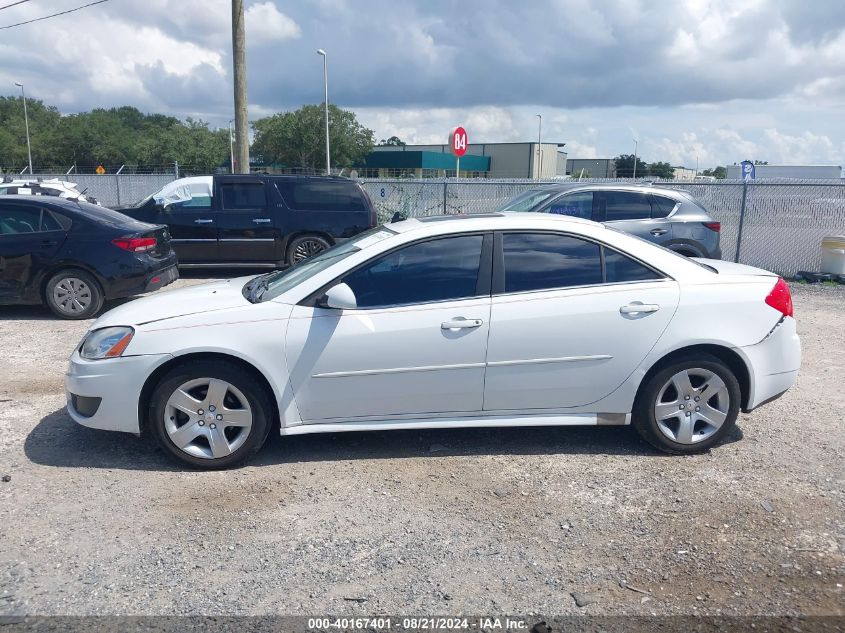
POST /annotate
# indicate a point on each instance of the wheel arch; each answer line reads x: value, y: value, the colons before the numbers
x: 155, y: 377
x: 731, y: 358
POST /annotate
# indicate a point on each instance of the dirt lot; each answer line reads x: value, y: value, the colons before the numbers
x: 471, y: 521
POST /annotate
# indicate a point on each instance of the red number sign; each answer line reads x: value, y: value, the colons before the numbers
x: 458, y: 140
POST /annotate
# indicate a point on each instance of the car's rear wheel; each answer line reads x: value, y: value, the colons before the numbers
x: 209, y: 414
x: 306, y: 246
x: 688, y: 406
x: 73, y: 294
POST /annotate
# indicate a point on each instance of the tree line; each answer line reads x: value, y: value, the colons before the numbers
x: 661, y: 169
x: 126, y: 136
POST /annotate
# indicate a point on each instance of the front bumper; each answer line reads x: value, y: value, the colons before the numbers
x: 774, y: 363
x: 103, y: 394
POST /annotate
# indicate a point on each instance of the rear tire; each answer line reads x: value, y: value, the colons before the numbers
x: 209, y: 415
x: 306, y: 246
x: 73, y: 294
x: 688, y: 406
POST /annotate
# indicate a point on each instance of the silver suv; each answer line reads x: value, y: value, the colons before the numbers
x: 673, y: 219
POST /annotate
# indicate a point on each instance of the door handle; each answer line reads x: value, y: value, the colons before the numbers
x: 460, y: 323
x: 638, y: 308
x: 46, y: 243
x: 657, y: 232
x: 203, y: 221
x: 261, y: 220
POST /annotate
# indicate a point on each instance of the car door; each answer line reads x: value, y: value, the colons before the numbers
x: 631, y: 211
x: 193, y: 229
x: 30, y: 237
x: 247, y: 228
x: 566, y: 331
x: 415, y: 345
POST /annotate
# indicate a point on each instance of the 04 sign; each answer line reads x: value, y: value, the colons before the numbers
x: 458, y: 140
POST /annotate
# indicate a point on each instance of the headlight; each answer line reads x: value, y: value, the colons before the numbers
x: 106, y: 343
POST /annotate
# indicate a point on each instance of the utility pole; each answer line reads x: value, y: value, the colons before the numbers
x: 26, y: 122
x: 635, y: 159
x: 322, y: 53
x: 239, y: 74
x: 231, y: 148
x: 539, y: 146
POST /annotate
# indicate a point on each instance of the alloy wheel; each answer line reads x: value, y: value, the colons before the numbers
x: 208, y: 418
x: 72, y: 295
x: 307, y: 248
x: 692, y: 406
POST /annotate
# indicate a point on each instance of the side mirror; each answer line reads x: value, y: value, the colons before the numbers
x: 339, y: 297
x: 398, y: 217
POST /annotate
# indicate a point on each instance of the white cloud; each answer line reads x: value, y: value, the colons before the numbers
x: 266, y: 24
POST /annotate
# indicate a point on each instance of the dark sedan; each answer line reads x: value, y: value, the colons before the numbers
x: 73, y: 256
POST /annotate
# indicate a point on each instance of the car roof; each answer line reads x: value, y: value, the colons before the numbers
x: 610, y: 186
x: 491, y: 222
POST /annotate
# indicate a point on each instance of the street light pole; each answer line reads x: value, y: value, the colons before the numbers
x: 26, y: 123
x: 539, y: 145
x: 635, y: 159
x: 322, y: 53
x: 231, y: 148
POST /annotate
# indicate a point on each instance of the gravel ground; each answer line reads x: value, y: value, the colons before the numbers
x: 465, y: 521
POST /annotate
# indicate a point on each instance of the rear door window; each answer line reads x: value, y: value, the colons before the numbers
x: 542, y: 261
x: 237, y: 196
x: 321, y: 196
x: 620, y: 268
x: 625, y: 205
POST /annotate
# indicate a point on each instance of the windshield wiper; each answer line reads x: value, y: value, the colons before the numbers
x: 257, y: 287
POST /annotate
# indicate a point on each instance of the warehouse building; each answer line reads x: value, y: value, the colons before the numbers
x: 591, y: 167
x: 482, y: 160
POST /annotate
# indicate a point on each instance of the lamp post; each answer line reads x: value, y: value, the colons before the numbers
x: 26, y: 123
x: 635, y: 158
x: 539, y: 145
x: 231, y: 148
x: 322, y: 53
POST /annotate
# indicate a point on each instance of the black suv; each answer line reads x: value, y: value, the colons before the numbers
x: 256, y: 220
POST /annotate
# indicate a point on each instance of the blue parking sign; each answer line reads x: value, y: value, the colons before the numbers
x: 748, y: 170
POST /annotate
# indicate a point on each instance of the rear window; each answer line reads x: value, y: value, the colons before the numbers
x: 322, y: 196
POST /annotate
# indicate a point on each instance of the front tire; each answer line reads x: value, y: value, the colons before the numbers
x: 73, y: 294
x: 209, y: 415
x: 688, y: 406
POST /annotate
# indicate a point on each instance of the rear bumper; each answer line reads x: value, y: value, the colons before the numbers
x: 103, y: 394
x: 148, y: 274
x: 774, y: 363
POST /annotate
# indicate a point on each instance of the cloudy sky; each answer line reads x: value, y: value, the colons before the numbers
x: 714, y: 80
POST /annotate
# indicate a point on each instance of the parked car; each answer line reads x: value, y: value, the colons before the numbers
x: 256, y: 220
x: 49, y: 187
x: 73, y: 255
x: 673, y: 219
x: 441, y: 322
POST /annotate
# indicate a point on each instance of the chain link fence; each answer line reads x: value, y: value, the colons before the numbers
x: 109, y: 190
x: 776, y: 225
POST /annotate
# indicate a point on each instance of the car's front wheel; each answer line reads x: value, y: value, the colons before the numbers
x: 209, y: 414
x: 688, y: 406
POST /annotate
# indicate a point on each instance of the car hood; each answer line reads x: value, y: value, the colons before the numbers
x: 170, y: 304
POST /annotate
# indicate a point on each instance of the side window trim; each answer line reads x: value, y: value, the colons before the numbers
x: 483, y: 286
x: 498, y: 286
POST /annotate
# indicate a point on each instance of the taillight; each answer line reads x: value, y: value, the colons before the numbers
x: 713, y: 226
x: 780, y: 298
x: 135, y: 244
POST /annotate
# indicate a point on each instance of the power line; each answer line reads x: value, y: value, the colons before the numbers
x: 46, y: 17
x: 13, y: 4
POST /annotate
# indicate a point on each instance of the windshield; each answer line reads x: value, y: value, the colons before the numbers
x: 527, y: 201
x: 277, y: 283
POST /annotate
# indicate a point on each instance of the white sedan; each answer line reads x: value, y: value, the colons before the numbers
x: 442, y: 322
